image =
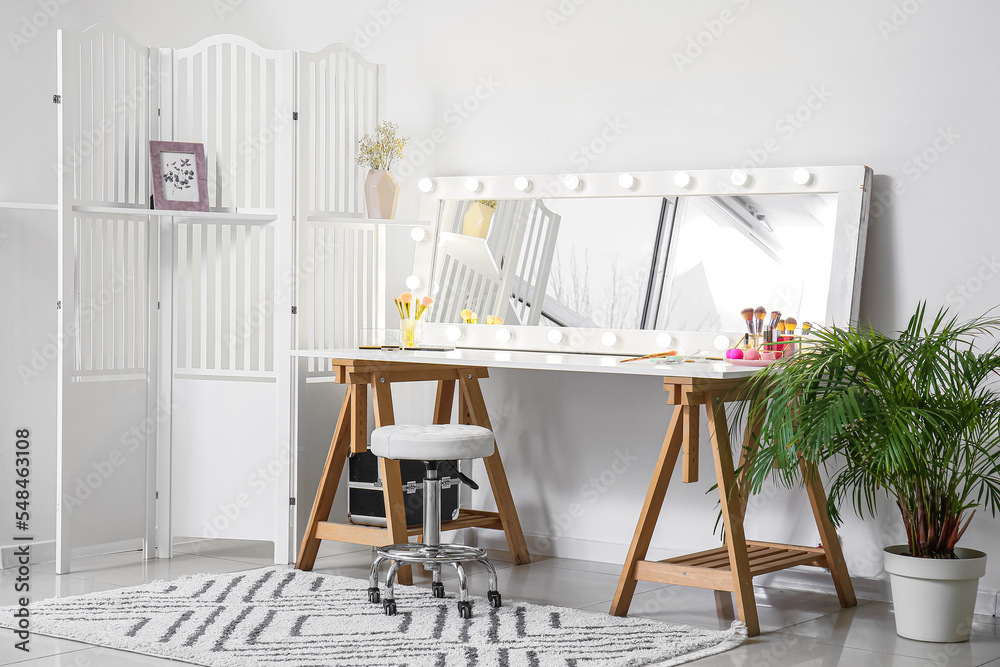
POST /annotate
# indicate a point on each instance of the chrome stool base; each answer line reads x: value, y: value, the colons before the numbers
x: 432, y: 557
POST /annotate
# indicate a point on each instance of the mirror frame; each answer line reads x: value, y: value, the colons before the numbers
x: 851, y: 184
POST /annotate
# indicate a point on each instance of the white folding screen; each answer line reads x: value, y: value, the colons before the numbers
x: 203, y: 420
x: 106, y: 432
x: 341, y: 255
x: 232, y: 297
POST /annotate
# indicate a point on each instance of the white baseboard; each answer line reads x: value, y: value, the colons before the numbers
x: 45, y: 551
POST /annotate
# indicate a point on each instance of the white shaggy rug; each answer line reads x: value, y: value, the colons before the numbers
x: 277, y: 616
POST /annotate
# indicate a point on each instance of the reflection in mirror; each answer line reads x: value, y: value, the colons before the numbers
x: 687, y: 263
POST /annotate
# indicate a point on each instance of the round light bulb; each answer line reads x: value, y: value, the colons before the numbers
x: 426, y: 185
x: 413, y: 282
x: 627, y: 181
x: 608, y: 339
x: 521, y: 184
x: 453, y: 333
x: 572, y: 182
x: 418, y: 234
x: 722, y: 343
x: 802, y: 176
x: 739, y: 177
x: 473, y: 184
x: 682, y: 179
x: 504, y: 335
x: 555, y: 336
x: 664, y: 340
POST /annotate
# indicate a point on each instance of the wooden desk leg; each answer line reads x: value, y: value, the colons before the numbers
x: 443, y: 401
x: 650, y: 513
x: 739, y: 561
x: 828, y: 534
x: 751, y: 442
x: 392, y: 481
x: 339, y: 447
x: 476, y: 406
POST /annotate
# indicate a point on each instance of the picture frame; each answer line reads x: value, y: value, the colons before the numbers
x: 180, y: 178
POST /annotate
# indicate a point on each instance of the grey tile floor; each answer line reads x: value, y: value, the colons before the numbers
x: 798, y: 628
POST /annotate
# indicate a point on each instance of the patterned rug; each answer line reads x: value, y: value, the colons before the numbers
x: 277, y: 616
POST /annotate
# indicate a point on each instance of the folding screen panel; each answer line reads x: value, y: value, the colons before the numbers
x: 232, y: 298
x: 106, y: 430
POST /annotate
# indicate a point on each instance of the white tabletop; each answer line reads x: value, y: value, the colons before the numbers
x: 587, y: 363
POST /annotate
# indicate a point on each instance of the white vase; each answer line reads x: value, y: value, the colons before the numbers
x: 381, y: 194
x: 476, y: 221
x: 934, y: 599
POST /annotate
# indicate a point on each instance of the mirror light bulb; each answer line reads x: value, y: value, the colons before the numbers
x: 664, y: 340
x: 802, y: 176
x: 504, y: 335
x: 572, y: 182
x: 413, y: 282
x: 739, y: 177
x: 627, y: 181
x: 682, y: 179
x: 473, y: 184
x: 418, y: 234
x: 453, y: 333
x: 425, y: 185
x: 555, y: 336
x: 608, y: 339
x: 521, y: 184
x: 722, y: 343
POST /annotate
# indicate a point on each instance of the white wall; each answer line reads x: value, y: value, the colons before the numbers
x: 909, y: 87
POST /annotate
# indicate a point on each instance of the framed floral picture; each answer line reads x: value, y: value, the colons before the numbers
x: 180, y: 180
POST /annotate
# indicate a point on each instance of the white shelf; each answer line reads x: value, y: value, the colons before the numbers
x: 200, y: 215
x: 28, y: 207
x: 375, y: 221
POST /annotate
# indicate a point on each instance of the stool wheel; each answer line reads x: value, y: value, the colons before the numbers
x: 389, y: 606
x: 465, y: 609
x: 373, y: 595
x: 494, y: 598
x: 437, y: 589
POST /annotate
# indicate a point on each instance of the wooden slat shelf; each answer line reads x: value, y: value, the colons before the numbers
x: 377, y: 536
x: 704, y: 566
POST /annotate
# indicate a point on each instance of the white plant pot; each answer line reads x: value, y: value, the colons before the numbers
x: 933, y: 599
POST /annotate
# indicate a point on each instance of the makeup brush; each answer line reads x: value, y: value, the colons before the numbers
x: 775, y: 316
x: 806, y: 326
x: 760, y: 313
x: 406, y: 298
x: 790, y: 323
x: 781, y: 327
x: 747, y: 314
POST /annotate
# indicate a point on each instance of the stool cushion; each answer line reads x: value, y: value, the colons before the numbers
x: 434, y: 442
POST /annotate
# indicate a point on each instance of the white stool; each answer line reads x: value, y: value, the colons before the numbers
x: 432, y: 444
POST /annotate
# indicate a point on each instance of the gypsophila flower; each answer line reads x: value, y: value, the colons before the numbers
x: 382, y: 147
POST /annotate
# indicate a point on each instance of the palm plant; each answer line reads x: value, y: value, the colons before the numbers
x: 915, y: 417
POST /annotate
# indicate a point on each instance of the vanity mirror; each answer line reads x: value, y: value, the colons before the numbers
x: 593, y: 259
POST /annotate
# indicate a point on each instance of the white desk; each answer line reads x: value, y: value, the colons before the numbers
x: 691, y: 386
